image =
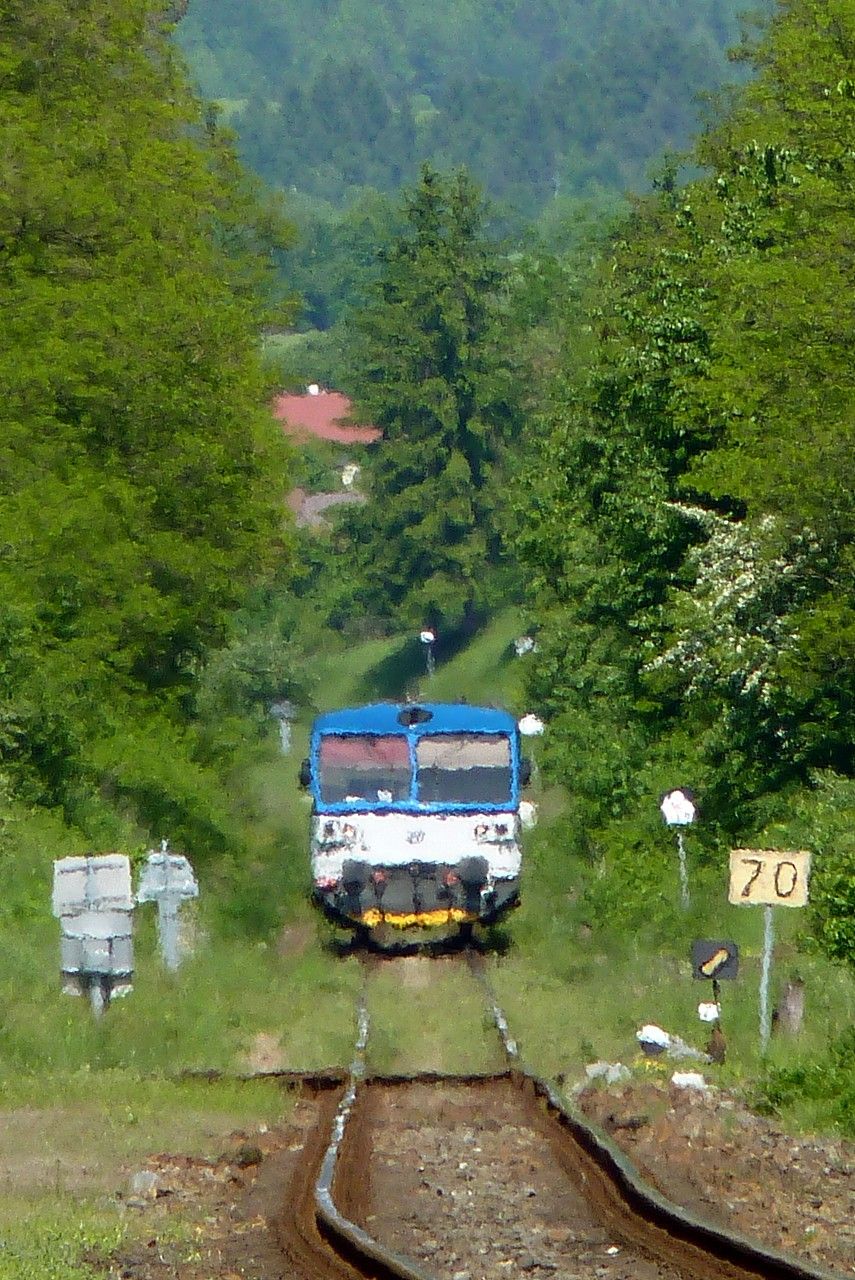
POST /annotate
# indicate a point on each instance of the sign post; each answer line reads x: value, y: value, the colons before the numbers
x: 93, y: 901
x: 679, y: 811
x: 712, y: 960
x: 284, y: 711
x: 167, y: 879
x: 768, y: 878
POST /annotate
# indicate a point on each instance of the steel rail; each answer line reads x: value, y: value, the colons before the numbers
x: 639, y: 1196
x: 345, y: 1236
x: 642, y: 1201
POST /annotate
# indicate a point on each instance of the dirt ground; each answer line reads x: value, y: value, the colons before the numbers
x: 210, y: 1219
x: 213, y: 1219
x: 711, y: 1154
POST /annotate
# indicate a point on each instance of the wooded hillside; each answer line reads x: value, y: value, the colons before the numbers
x: 537, y: 98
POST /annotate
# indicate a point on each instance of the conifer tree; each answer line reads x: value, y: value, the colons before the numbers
x: 432, y: 375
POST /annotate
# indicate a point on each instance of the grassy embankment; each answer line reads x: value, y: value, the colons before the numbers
x: 575, y: 993
x: 83, y: 1102
x: 93, y: 1098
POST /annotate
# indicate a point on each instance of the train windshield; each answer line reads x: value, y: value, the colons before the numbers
x: 464, y: 768
x: 364, y: 766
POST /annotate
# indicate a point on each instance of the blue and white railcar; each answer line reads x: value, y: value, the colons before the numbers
x: 415, y: 817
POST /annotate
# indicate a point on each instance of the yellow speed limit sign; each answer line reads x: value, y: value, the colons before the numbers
x: 769, y: 877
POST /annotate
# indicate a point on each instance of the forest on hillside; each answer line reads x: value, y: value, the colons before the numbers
x: 557, y: 110
x: 536, y: 98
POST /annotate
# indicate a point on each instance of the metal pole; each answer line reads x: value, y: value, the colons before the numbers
x: 167, y: 927
x: 98, y: 994
x: 765, y: 1014
x: 430, y: 662
x: 684, y: 871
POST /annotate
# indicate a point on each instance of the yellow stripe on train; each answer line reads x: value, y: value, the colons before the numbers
x: 405, y: 920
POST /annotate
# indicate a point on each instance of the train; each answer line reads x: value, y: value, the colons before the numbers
x: 415, y: 816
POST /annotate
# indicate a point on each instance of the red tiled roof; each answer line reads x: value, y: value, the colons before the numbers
x: 321, y: 416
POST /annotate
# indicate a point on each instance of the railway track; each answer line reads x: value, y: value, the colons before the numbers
x: 436, y: 1177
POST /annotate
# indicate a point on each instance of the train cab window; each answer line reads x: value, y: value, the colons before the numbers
x: 464, y: 768
x: 370, y: 767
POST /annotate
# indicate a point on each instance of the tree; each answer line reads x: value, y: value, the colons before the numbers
x: 598, y: 534
x: 432, y: 375
x: 690, y: 542
x: 141, y: 475
x: 775, y: 232
x: 334, y: 96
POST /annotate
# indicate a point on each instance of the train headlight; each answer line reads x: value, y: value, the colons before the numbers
x: 333, y: 834
x: 494, y: 833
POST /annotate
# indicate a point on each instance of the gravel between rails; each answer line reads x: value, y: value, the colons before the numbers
x: 459, y: 1180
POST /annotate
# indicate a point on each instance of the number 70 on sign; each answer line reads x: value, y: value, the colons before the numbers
x: 769, y: 877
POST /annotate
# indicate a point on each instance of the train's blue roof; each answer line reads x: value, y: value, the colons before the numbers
x: 445, y: 717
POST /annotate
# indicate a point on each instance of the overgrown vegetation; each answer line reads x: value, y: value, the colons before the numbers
x: 142, y: 479
x: 687, y: 525
x: 821, y: 1089
x: 645, y: 446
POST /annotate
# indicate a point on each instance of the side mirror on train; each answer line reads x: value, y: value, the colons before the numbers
x: 305, y: 773
x: 525, y: 771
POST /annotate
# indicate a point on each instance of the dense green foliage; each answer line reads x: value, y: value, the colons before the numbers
x: 335, y: 260
x: 534, y: 98
x: 690, y: 522
x: 431, y: 372
x: 557, y: 110
x: 141, y: 478
x: 826, y: 1081
x: 686, y: 518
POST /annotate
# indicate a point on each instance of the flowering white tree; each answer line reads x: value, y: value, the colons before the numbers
x: 731, y: 626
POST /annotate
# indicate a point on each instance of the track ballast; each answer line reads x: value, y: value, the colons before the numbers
x: 444, y: 1177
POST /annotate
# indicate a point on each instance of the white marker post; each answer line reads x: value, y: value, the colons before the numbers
x: 167, y: 879
x: 679, y: 810
x: 768, y: 878
x: 531, y: 726
x: 428, y: 639
x: 285, y: 712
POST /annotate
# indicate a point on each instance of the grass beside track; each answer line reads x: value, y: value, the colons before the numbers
x: 71, y: 1141
x: 574, y: 994
x: 427, y: 1014
x: 268, y: 989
